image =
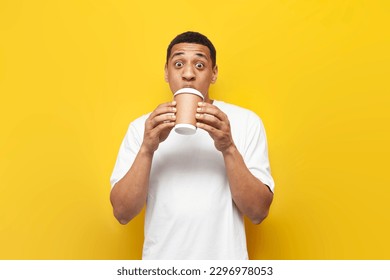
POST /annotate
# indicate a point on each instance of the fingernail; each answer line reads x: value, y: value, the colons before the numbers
x: 200, y: 103
x: 198, y: 109
x: 197, y: 115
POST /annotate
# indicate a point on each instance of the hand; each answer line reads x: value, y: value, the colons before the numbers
x: 216, y: 123
x: 158, y: 125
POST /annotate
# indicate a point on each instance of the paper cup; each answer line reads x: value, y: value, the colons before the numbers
x: 186, y: 103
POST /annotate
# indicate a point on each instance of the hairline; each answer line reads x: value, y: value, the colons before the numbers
x: 191, y: 37
x: 198, y: 53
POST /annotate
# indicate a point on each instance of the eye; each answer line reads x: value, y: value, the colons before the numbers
x: 178, y: 64
x: 199, y: 65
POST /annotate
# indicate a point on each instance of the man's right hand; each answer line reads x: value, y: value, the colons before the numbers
x: 158, y: 126
x: 129, y: 194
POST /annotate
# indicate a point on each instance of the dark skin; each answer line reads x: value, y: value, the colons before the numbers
x: 190, y: 65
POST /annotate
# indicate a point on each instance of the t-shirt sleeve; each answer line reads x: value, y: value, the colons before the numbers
x: 256, y: 151
x: 127, y: 153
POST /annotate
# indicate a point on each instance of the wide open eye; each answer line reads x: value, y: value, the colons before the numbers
x: 199, y: 65
x: 178, y: 64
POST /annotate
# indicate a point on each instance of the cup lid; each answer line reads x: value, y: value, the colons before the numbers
x: 189, y: 90
x: 185, y: 129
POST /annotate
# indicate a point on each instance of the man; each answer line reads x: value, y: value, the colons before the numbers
x: 196, y: 188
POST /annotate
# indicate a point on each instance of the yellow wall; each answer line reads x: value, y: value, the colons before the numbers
x: 74, y: 73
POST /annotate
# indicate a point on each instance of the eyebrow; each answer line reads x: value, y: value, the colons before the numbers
x: 197, y: 54
x: 202, y: 55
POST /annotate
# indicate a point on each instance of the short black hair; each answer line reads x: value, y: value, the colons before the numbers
x: 196, y: 38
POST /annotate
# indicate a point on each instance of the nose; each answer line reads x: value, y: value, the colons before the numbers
x: 188, y: 73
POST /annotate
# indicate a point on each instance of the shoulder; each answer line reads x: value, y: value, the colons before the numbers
x: 235, y: 112
x: 140, y: 121
x: 136, y: 127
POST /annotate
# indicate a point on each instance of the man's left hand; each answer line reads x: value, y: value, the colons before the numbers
x: 216, y: 123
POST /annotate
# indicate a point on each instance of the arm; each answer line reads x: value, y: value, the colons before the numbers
x: 128, y: 196
x: 251, y: 196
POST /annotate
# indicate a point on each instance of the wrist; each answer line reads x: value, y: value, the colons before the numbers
x: 146, y: 151
x: 230, y: 150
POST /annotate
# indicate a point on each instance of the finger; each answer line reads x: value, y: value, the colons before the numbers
x: 206, y: 108
x: 210, y: 129
x: 164, y: 118
x: 153, y: 122
x: 166, y: 126
x: 168, y: 107
x: 164, y: 108
x: 209, y: 119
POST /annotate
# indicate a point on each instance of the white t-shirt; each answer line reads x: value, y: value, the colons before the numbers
x: 190, y: 213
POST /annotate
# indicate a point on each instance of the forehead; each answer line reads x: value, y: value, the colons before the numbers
x: 190, y: 49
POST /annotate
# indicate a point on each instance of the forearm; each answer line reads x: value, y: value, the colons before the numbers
x: 129, y: 194
x: 251, y: 196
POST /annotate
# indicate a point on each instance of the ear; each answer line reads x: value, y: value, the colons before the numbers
x: 166, y: 73
x: 215, y: 74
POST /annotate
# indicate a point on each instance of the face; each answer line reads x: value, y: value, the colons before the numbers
x: 190, y: 65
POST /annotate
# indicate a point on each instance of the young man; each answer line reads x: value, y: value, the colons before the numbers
x: 196, y: 188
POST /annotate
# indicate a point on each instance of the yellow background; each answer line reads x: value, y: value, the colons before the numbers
x: 73, y: 74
